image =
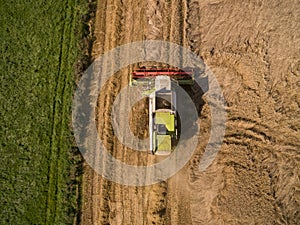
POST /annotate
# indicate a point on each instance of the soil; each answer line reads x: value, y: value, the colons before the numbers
x: 253, y: 49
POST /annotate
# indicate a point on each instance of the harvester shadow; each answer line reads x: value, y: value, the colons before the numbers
x: 188, y: 119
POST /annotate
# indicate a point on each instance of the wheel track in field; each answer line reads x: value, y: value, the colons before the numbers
x: 122, y: 208
x: 112, y: 39
x: 193, y: 35
x: 257, y: 150
x: 55, y: 194
x: 97, y: 194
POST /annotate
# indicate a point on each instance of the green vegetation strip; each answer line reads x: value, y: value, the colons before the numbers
x: 39, y: 48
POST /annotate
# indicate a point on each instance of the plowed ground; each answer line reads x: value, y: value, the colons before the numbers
x: 253, y: 49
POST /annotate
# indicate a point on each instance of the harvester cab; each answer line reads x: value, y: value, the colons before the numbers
x: 158, y: 85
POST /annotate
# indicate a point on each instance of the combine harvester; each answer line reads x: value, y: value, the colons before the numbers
x: 159, y: 86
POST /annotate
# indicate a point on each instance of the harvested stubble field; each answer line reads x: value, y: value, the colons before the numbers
x: 253, y: 49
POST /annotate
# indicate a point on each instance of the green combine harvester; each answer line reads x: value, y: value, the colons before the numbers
x: 158, y: 85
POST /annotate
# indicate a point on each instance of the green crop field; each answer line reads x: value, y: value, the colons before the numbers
x: 39, y: 49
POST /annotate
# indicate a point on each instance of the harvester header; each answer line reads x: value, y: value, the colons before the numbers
x: 182, y: 77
